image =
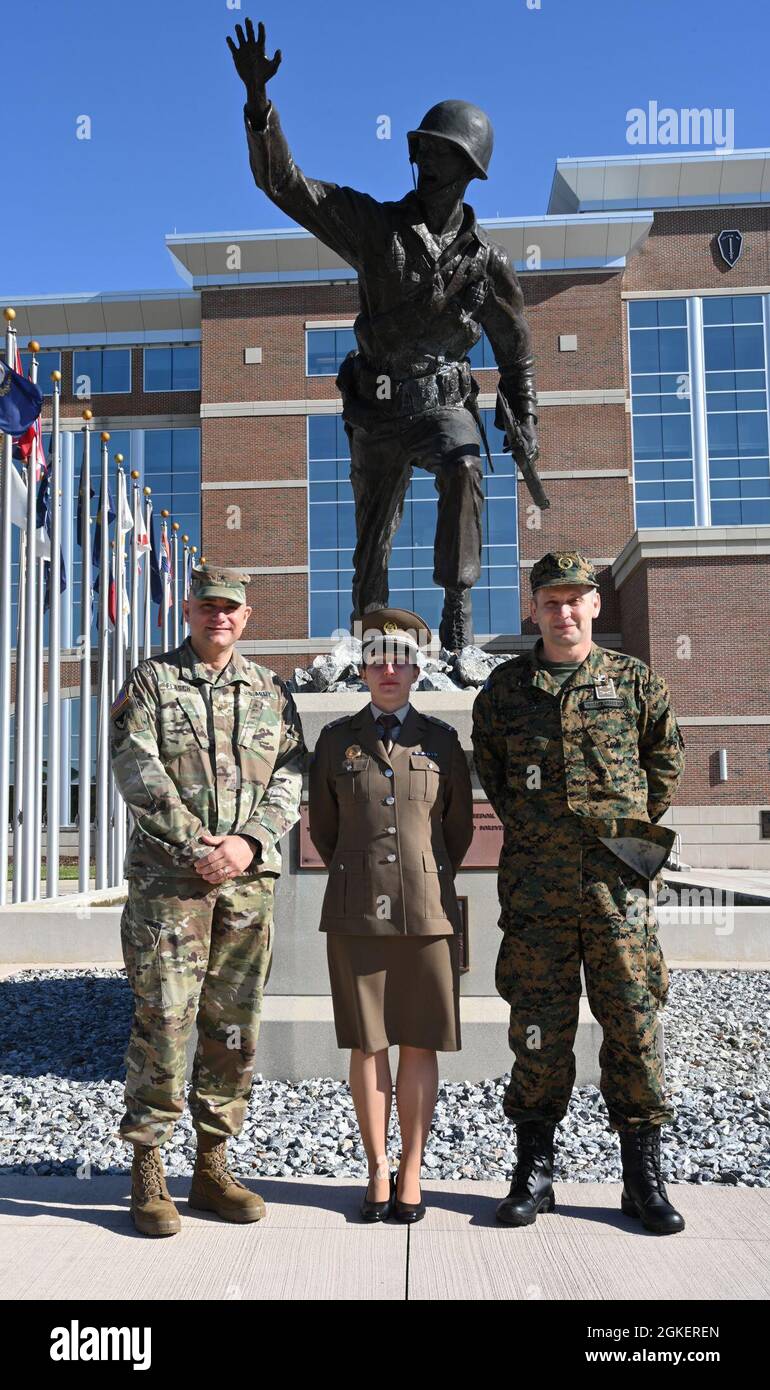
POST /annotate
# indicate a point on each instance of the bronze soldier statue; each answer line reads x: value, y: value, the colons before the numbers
x: 429, y: 281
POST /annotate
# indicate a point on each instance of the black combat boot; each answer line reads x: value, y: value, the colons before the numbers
x: 456, y: 626
x: 532, y: 1184
x: 644, y: 1194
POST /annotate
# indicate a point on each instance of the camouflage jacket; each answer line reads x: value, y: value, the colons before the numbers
x: 546, y: 754
x: 192, y: 752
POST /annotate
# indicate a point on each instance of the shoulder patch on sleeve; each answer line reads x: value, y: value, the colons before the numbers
x: 121, y: 702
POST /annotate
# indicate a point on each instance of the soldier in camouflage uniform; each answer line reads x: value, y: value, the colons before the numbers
x: 579, y: 753
x: 207, y: 751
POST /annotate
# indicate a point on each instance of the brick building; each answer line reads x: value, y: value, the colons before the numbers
x: 652, y: 344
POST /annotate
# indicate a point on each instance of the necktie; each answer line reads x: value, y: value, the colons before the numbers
x: 389, y: 723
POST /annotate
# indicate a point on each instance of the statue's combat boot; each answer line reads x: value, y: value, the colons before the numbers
x: 456, y: 627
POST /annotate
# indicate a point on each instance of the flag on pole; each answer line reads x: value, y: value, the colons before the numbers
x: 21, y: 401
x: 165, y: 572
x: 91, y: 495
x: 142, y: 539
x: 44, y: 526
x: 125, y: 524
x: 156, y: 583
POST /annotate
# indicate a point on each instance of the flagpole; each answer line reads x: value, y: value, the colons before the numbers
x: 37, y: 855
x: 54, y: 654
x: 165, y: 578
x: 66, y: 452
x: 119, y: 650
x: 175, y: 591
x: 185, y: 579
x: 30, y: 808
x: 103, y: 700
x: 135, y: 588
x: 193, y: 552
x: 147, y: 583
x: 112, y: 662
x: 5, y: 630
x: 84, y: 643
x: 19, y: 724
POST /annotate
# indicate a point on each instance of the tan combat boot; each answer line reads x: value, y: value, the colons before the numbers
x: 215, y: 1189
x: 152, y: 1210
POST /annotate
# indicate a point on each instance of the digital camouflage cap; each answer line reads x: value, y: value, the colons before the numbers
x: 563, y: 567
x: 212, y: 581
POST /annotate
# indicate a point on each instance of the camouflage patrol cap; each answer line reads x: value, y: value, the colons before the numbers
x: 212, y: 581
x: 388, y: 631
x: 563, y: 567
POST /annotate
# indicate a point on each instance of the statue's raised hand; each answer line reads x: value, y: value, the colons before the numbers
x: 252, y: 64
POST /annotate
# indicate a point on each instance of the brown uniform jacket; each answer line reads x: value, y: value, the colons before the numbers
x: 391, y: 829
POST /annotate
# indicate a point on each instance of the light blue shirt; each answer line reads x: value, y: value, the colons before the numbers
x: 399, y: 713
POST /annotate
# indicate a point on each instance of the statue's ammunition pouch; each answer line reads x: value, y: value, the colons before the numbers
x: 372, y: 396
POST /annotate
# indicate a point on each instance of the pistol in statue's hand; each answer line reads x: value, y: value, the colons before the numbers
x: 252, y: 64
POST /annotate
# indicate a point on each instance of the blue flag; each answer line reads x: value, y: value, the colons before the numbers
x: 21, y: 401
x: 43, y: 509
x: 91, y: 495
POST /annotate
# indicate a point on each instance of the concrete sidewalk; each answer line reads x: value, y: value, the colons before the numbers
x: 61, y: 1238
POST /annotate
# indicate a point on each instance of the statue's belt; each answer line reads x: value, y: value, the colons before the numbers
x: 449, y: 385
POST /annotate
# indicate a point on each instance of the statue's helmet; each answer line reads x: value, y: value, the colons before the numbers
x: 463, y: 125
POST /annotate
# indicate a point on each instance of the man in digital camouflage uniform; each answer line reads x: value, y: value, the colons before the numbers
x: 579, y: 753
x: 207, y: 751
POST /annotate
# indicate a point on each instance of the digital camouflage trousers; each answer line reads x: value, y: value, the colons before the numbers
x: 603, y: 918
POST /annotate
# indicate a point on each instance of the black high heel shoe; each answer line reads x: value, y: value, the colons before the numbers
x: 408, y: 1212
x: 379, y: 1211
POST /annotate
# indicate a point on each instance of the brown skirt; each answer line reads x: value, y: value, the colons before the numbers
x: 388, y: 990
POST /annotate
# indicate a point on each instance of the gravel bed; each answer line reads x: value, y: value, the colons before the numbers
x: 63, y: 1035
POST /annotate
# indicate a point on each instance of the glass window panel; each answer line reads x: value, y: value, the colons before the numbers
x: 723, y: 434
x: 643, y: 313
x: 749, y: 346
x: 650, y: 514
x: 116, y: 371
x: 157, y: 369
x: 48, y: 361
x: 680, y: 513
x: 752, y: 433
x: 725, y: 514
x: 673, y: 350
x: 676, y: 436
x: 671, y: 312
x: 648, y: 437
x: 645, y: 352
x: 321, y: 437
x: 718, y: 308
x: 186, y: 369
x: 719, y: 348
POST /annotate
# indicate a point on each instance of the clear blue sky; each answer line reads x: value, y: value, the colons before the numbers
x: 168, y: 152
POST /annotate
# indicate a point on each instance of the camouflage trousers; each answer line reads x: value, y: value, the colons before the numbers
x: 603, y: 918
x: 193, y: 952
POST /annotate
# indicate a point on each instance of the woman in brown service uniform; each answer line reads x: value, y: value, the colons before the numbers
x: 391, y: 814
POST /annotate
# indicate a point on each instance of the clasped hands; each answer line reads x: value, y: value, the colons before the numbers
x: 231, y: 856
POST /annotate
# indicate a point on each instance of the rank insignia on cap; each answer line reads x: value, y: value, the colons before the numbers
x: 389, y: 628
x: 565, y: 562
x: 353, y: 751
